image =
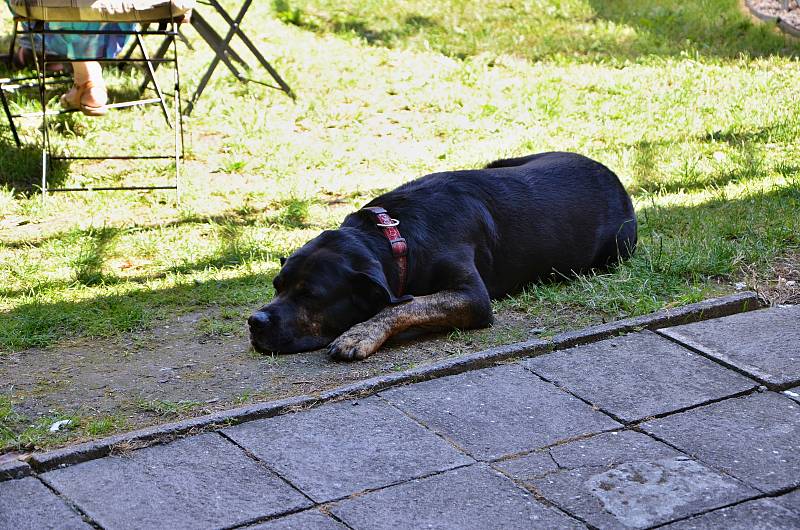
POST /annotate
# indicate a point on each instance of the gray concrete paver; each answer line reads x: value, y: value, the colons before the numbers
x: 344, y: 448
x: 202, y: 481
x: 27, y: 504
x: 628, y: 480
x: 763, y: 343
x: 498, y: 411
x: 638, y: 375
x: 754, y: 438
x: 474, y: 497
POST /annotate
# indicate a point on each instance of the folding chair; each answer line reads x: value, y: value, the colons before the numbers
x: 224, y: 53
x: 30, y: 17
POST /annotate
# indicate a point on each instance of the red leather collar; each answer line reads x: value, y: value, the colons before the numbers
x: 399, y: 247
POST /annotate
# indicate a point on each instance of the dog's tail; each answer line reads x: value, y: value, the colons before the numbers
x: 513, y: 162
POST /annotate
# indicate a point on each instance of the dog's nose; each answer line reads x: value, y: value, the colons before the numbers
x: 258, y: 320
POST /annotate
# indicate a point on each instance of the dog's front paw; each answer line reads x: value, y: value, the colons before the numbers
x: 354, y: 344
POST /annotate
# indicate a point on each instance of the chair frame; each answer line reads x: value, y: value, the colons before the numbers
x: 169, y: 29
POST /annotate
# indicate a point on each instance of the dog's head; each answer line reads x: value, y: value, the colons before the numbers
x: 330, y: 284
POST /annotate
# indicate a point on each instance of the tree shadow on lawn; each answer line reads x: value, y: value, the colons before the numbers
x: 716, y: 28
x: 352, y: 24
x: 640, y: 28
x: 744, y: 162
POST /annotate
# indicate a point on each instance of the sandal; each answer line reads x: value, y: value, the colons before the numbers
x: 89, y: 98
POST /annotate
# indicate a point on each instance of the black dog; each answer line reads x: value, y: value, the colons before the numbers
x: 470, y: 236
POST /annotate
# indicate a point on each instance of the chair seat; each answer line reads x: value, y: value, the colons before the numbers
x: 101, y: 10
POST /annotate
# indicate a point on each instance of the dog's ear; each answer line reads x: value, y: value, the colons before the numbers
x: 375, y: 277
x: 283, y: 260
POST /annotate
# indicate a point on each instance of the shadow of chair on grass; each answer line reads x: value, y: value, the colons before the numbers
x: 21, y: 168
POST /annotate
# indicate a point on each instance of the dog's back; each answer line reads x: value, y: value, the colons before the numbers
x: 526, y: 217
x: 557, y: 174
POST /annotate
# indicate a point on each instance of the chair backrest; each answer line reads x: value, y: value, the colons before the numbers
x: 101, y: 10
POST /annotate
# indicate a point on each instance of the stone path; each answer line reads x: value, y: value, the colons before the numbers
x: 696, y: 426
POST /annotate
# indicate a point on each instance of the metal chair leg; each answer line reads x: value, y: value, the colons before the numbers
x: 152, y: 75
x: 222, y: 48
x: 214, y: 40
x: 253, y: 49
x: 179, y: 149
x: 10, y: 118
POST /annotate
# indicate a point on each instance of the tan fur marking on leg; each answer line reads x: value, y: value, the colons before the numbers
x: 446, y: 309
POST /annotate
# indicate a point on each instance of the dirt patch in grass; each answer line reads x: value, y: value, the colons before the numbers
x: 191, y: 365
x: 781, y: 284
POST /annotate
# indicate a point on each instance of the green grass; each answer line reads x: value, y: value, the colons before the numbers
x: 166, y: 408
x: 692, y: 104
x: 21, y: 433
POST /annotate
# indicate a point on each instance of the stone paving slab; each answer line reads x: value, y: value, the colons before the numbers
x: 308, y: 520
x: 498, y: 411
x: 474, y: 497
x: 638, y: 375
x: 627, y: 480
x: 340, y: 449
x: 761, y: 514
x: 27, y: 504
x: 202, y: 481
x: 764, y: 344
x: 754, y: 438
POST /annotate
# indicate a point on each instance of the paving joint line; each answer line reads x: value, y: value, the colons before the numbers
x: 698, y: 459
x: 267, y: 518
x: 266, y: 466
x: 318, y: 504
x: 396, y: 483
x: 571, y: 393
x: 539, y: 497
x: 433, y: 431
x: 756, y: 497
x: 557, y: 443
x: 660, y: 415
x: 85, y: 517
x: 741, y: 371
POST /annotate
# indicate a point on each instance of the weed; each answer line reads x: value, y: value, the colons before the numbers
x: 165, y: 408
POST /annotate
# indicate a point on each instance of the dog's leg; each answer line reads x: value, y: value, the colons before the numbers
x: 445, y: 309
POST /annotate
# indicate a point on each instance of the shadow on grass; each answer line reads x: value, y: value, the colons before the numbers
x: 681, y: 248
x: 40, y: 323
x: 290, y: 213
x: 713, y: 27
x: 350, y: 24
x: 606, y: 30
x: 746, y: 159
x: 21, y: 168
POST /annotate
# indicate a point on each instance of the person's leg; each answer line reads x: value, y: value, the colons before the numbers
x: 89, y: 92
